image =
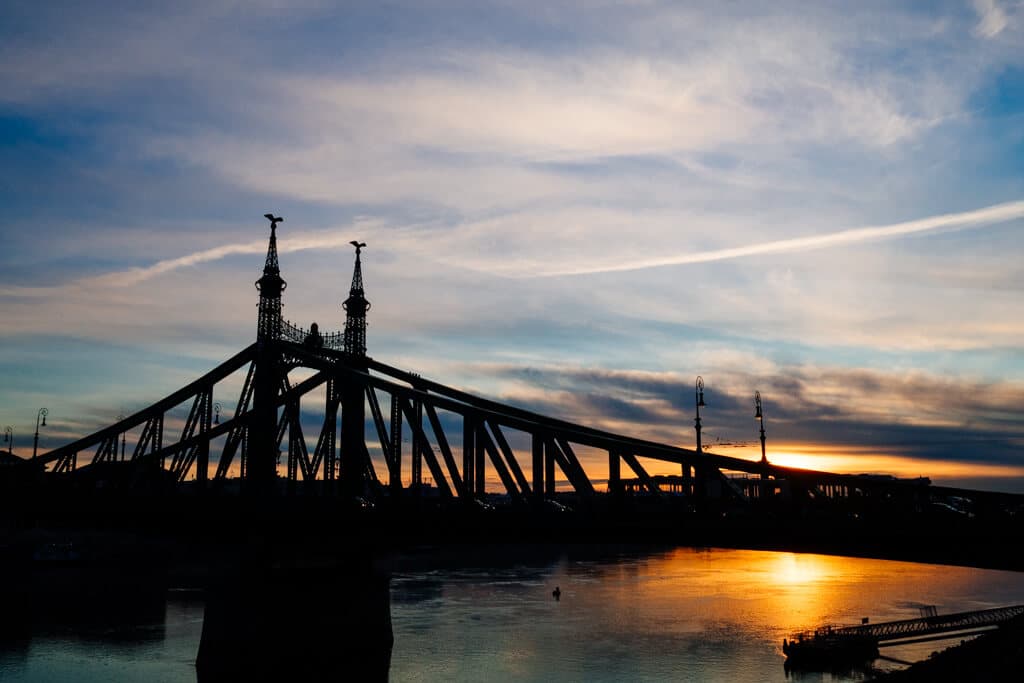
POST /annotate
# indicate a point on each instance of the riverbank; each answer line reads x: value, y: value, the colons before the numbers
x: 199, y: 531
x: 994, y: 656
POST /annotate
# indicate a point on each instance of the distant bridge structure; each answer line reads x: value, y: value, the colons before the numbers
x: 267, y: 423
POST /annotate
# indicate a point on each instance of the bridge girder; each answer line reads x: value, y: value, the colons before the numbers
x: 414, y: 404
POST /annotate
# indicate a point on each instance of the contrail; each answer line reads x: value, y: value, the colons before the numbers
x: 134, y: 276
x: 998, y: 213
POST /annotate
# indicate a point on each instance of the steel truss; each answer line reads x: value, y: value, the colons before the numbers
x: 419, y: 412
x: 415, y: 407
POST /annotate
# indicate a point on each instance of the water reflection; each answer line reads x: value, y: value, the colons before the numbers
x: 626, y: 614
x: 88, y: 640
x: 679, y: 614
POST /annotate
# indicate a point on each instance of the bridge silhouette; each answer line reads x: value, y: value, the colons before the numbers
x: 267, y: 423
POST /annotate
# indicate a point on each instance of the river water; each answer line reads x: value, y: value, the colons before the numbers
x: 678, y: 614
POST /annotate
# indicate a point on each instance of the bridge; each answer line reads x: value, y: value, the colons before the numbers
x: 422, y: 428
x: 268, y: 551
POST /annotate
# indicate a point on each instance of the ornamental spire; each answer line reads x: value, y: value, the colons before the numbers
x: 271, y: 267
x: 356, y: 307
x: 270, y: 287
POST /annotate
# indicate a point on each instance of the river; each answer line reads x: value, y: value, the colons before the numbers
x: 674, y: 614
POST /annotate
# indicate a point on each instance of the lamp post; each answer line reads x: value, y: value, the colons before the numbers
x: 43, y: 412
x: 120, y: 418
x: 699, y: 395
x: 687, y: 475
x: 759, y: 416
x: 216, y: 411
x: 9, y: 439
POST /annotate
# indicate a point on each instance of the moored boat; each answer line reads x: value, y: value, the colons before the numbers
x: 825, y: 647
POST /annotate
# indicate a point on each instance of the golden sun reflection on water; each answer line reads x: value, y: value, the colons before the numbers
x: 679, y: 614
x: 806, y: 584
x: 795, y: 569
x: 787, y: 592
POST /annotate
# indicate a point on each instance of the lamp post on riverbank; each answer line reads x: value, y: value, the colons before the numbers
x: 43, y: 412
x: 9, y: 439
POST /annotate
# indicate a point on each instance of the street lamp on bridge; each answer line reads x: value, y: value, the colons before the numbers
x: 43, y: 412
x: 9, y: 439
x: 699, y: 396
x: 759, y: 416
x: 216, y: 410
x: 120, y: 418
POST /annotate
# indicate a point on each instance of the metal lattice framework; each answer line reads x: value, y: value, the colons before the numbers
x: 426, y: 411
x: 271, y: 285
x: 924, y: 626
x: 295, y: 334
x: 356, y: 307
x: 268, y: 421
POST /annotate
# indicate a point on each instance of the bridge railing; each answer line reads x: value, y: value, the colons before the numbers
x: 290, y: 332
x: 926, y: 625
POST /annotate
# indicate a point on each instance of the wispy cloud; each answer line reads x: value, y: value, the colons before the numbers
x: 991, y: 18
x: 885, y: 413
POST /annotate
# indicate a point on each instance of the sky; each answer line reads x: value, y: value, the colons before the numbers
x: 573, y: 207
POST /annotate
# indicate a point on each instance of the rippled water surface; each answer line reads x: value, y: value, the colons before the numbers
x: 682, y: 614
x: 143, y: 645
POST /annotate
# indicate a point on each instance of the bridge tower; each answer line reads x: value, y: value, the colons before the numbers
x: 260, y: 465
x: 356, y: 307
x: 354, y: 456
x: 270, y: 287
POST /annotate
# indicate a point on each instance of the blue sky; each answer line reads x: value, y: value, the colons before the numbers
x: 573, y: 206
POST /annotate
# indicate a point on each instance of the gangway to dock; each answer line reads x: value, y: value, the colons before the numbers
x: 831, y: 643
x: 887, y: 631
